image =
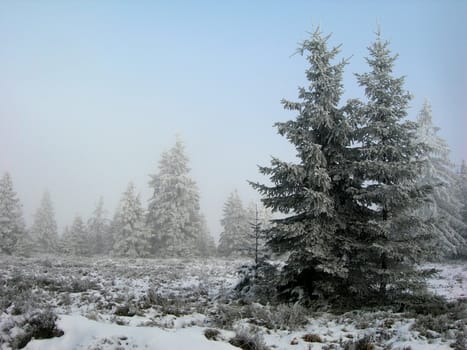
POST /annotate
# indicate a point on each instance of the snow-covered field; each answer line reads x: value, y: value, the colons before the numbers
x: 105, y: 304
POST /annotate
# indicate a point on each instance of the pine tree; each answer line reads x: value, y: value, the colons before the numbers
x: 174, y: 217
x: 44, y: 229
x: 25, y: 245
x: 98, y: 228
x: 65, y: 241
x: 444, y: 206
x: 12, y: 227
x: 391, y: 235
x: 131, y: 236
x: 79, y: 242
x: 112, y: 231
x: 462, y: 185
x: 312, y: 192
x: 260, y: 220
x: 235, y: 238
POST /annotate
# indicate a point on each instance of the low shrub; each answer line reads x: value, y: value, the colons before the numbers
x: 224, y: 316
x: 246, y: 341
x: 312, y: 338
x: 282, y: 316
x: 212, y: 334
x: 364, y: 343
x: 125, y: 310
x: 290, y: 317
x: 461, y: 340
x: 78, y: 285
x: 40, y: 325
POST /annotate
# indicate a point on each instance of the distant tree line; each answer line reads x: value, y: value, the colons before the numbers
x: 171, y: 225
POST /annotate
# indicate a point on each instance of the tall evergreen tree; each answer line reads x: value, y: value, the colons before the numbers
x: 462, y: 185
x: 444, y: 207
x: 44, y: 229
x: 312, y: 192
x: 391, y: 235
x: 12, y: 227
x: 98, y: 228
x: 235, y: 238
x: 131, y: 236
x: 174, y: 217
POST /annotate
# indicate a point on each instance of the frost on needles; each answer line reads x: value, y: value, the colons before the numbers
x: 348, y: 228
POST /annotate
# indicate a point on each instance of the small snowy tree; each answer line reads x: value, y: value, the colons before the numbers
x: 25, y: 245
x: 260, y: 221
x: 256, y: 234
x: 79, y: 242
x: 131, y: 236
x: 113, y: 229
x: 65, y: 241
x: 235, y: 238
x: 98, y: 228
x: 12, y: 227
x: 444, y: 207
x: 44, y: 229
x: 174, y: 217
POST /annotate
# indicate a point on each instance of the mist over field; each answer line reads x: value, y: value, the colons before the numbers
x: 225, y: 175
x: 94, y: 93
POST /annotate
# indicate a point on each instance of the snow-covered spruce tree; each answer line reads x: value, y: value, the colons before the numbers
x: 260, y: 221
x: 113, y: 228
x: 391, y: 236
x: 444, y: 207
x: 235, y: 238
x: 312, y: 193
x: 44, y: 228
x: 98, y: 229
x: 12, y: 227
x: 174, y: 218
x: 79, y: 242
x: 25, y: 245
x: 462, y: 185
x: 64, y: 241
x: 131, y: 236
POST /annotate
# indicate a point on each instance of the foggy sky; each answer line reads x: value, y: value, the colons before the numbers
x: 93, y: 92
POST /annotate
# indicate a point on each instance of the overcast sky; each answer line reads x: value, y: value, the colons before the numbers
x: 93, y: 91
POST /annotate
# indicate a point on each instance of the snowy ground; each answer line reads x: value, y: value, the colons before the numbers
x: 450, y: 282
x: 118, y: 304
